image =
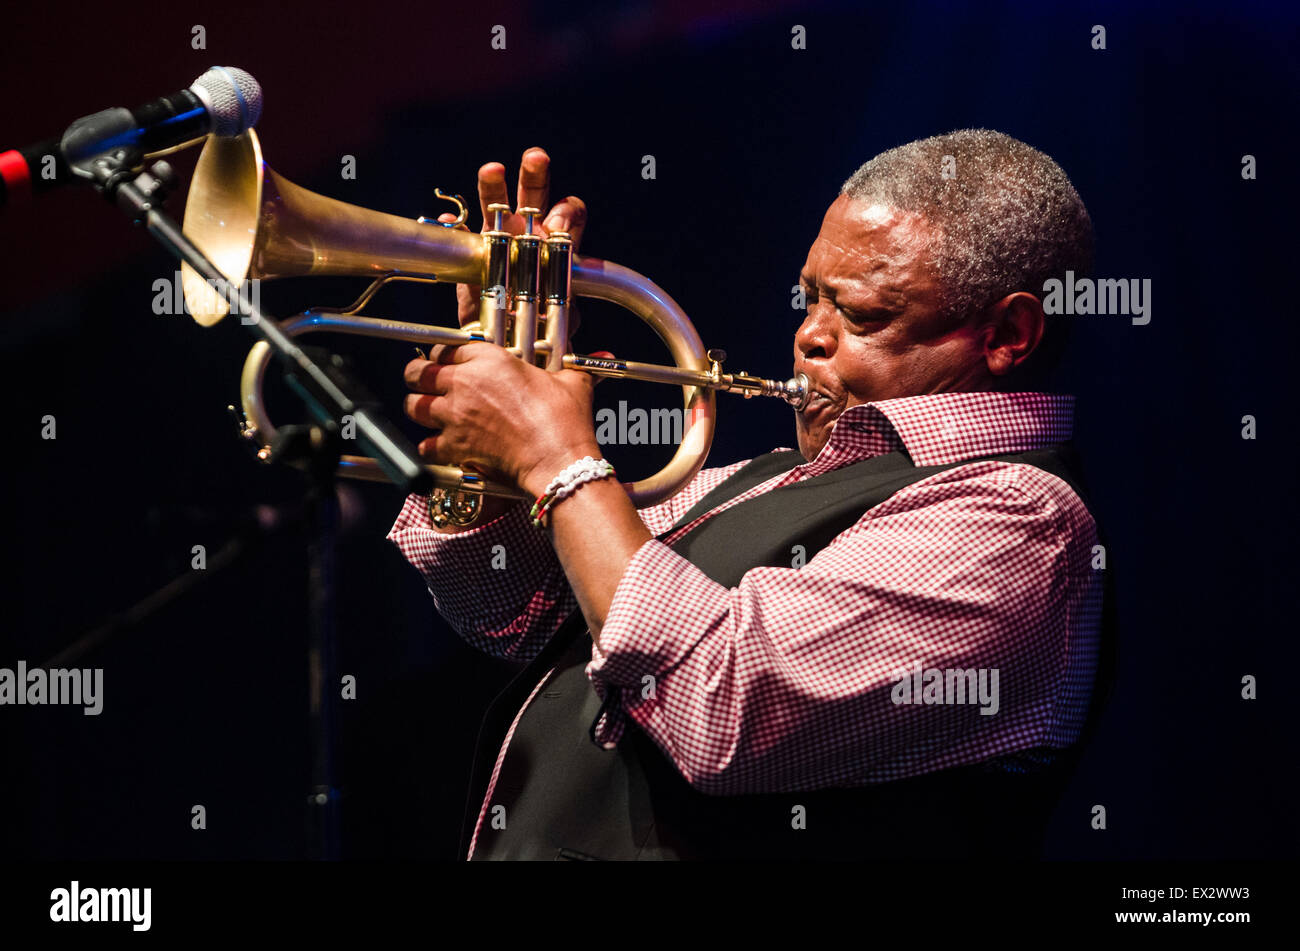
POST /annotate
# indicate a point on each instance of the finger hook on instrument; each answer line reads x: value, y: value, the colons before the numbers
x: 462, y: 212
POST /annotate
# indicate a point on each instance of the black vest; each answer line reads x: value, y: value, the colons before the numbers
x: 564, y: 797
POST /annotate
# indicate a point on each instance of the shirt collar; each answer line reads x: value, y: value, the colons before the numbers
x: 942, y: 428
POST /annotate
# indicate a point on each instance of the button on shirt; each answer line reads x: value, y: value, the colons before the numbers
x: 803, y: 677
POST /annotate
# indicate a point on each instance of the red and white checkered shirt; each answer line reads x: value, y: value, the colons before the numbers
x: 794, y: 679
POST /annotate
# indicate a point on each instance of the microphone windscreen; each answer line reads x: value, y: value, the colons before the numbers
x: 233, y: 98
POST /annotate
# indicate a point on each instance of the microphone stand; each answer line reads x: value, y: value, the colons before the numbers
x: 323, y: 387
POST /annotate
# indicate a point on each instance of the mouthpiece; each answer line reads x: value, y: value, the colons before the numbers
x: 795, y: 391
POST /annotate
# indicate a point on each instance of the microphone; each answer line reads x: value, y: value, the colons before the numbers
x: 225, y: 100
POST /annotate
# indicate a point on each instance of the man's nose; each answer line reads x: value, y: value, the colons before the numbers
x: 815, y: 338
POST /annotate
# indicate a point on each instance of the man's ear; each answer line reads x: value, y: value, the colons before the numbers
x: 1013, y: 328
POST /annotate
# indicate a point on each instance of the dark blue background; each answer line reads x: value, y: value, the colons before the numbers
x: 205, y: 702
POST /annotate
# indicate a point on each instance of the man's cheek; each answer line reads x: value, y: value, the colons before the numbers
x: 860, y: 386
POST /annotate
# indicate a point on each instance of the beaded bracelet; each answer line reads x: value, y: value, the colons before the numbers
x: 565, y: 484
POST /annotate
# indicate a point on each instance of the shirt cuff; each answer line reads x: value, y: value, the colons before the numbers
x: 662, y: 608
x: 482, y: 577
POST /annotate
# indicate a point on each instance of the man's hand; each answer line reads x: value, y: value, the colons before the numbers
x: 534, y: 187
x: 511, y: 421
x: 501, y: 415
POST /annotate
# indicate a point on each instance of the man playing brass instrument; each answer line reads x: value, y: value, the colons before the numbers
x: 697, y: 689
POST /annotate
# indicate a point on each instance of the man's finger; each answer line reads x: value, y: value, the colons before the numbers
x: 422, y: 408
x: 492, y: 189
x: 534, y: 179
x: 467, y: 303
x: 462, y: 352
x: 428, y: 449
x: 444, y: 352
x: 569, y: 215
x: 427, y: 376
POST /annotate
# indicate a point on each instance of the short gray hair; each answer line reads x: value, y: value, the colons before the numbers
x: 1007, y: 216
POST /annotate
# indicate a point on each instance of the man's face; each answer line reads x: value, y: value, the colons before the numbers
x: 873, y: 330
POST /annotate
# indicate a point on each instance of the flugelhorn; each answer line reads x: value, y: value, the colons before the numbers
x: 255, y: 225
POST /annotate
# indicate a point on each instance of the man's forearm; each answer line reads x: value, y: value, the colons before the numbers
x: 596, y: 531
